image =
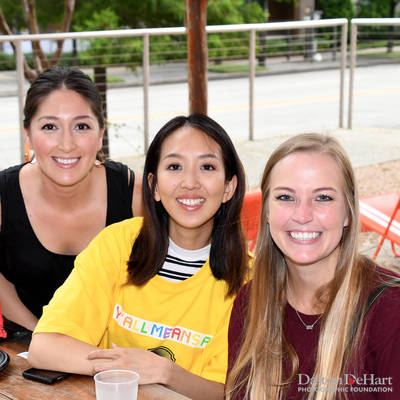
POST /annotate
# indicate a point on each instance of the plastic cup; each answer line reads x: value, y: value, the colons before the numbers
x: 116, y: 384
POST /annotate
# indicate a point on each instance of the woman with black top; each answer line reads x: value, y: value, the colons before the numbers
x: 53, y: 207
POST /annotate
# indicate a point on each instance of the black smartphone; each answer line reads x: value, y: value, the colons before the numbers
x: 44, y: 376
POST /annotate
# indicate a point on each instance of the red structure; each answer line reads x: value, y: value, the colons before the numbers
x: 381, y: 214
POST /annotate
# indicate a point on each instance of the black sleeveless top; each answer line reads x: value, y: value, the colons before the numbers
x: 35, y: 271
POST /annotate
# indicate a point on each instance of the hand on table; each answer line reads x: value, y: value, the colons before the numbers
x: 151, y: 367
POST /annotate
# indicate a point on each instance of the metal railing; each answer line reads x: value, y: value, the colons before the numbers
x: 277, y: 26
x: 353, y: 53
x: 145, y: 34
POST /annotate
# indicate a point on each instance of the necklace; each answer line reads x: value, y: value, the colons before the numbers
x: 308, y: 327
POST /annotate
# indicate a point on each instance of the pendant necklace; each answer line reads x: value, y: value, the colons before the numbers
x: 308, y: 327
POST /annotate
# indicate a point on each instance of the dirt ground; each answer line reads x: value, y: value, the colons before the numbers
x: 378, y: 179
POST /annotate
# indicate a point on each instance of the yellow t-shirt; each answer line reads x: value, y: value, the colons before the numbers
x: 186, y: 321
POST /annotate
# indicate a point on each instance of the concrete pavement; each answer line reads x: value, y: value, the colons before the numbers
x: 176, y: 72
x: 364, y: 146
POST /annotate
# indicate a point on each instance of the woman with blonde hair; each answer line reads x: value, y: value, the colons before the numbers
x: 318, y: 320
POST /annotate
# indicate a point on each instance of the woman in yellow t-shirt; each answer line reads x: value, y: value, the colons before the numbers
x: 154, y: 294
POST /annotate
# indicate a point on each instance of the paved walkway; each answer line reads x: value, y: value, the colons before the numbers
x: 364, y: 146
x: 177, y: 72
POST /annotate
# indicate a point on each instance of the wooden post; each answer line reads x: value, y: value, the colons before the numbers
x: 196, y: 20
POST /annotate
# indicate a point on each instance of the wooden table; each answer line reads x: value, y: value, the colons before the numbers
x: 76, y: 387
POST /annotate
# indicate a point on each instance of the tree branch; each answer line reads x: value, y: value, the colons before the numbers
x: 5, y: 29
x: 68, y: 11
x: 39, y: 58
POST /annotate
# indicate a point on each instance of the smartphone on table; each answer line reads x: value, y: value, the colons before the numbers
x: 44, y: 376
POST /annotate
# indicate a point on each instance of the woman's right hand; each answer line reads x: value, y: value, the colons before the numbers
x: 151, y: 367
x: 156, y: 369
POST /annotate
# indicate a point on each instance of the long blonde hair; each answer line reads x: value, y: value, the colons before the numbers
x: 258, y: 368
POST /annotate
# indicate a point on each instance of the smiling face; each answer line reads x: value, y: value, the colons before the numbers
x: 191, y: 185
x: 307, y: 209
x: 65, y: 136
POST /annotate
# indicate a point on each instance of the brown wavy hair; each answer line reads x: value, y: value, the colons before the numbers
x: 69, y: 78
x: 57, y: 78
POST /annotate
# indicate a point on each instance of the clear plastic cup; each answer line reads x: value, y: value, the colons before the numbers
x: 116, y: 384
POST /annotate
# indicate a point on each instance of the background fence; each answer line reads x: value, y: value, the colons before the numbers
x: 380, y: 41
x: 134, y: 63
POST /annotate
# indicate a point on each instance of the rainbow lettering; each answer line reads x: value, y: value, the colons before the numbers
x: 157, y: 330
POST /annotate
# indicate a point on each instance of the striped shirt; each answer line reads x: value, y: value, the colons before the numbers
x: 181, y: 264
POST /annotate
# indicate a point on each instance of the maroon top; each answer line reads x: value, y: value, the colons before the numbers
x: 378, y: 358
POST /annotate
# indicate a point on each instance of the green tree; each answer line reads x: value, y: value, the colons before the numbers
x: 12, y: 13
x: 102, y: 52
x: 253, y: 12
x: 135, y: 13
x: 220, y: 12
x: 336, y: 8
x: 376, y: 8
x: 57, y: 13
x: 167, y: 13
x: 49, y: 14
x: 151, y: 13
x: 379, y: 9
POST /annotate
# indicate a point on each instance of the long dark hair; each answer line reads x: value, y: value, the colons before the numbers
x: 228, y: 254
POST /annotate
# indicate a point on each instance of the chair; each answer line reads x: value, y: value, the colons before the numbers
x: 250, y: 216
x: 3, y: 333
x: 381, y: 214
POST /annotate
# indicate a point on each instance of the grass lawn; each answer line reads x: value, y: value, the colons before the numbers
x: 234, y: 68
x: 395, y: 54
x: 110, y: 79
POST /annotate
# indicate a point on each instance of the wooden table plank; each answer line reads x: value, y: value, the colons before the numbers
x: 76, y: 387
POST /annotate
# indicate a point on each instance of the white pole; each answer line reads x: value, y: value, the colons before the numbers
x: 21, y: 95
x: 146, y: 80
x: 252, y: 57
x: 343, y: 51
x: 353, y: 51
